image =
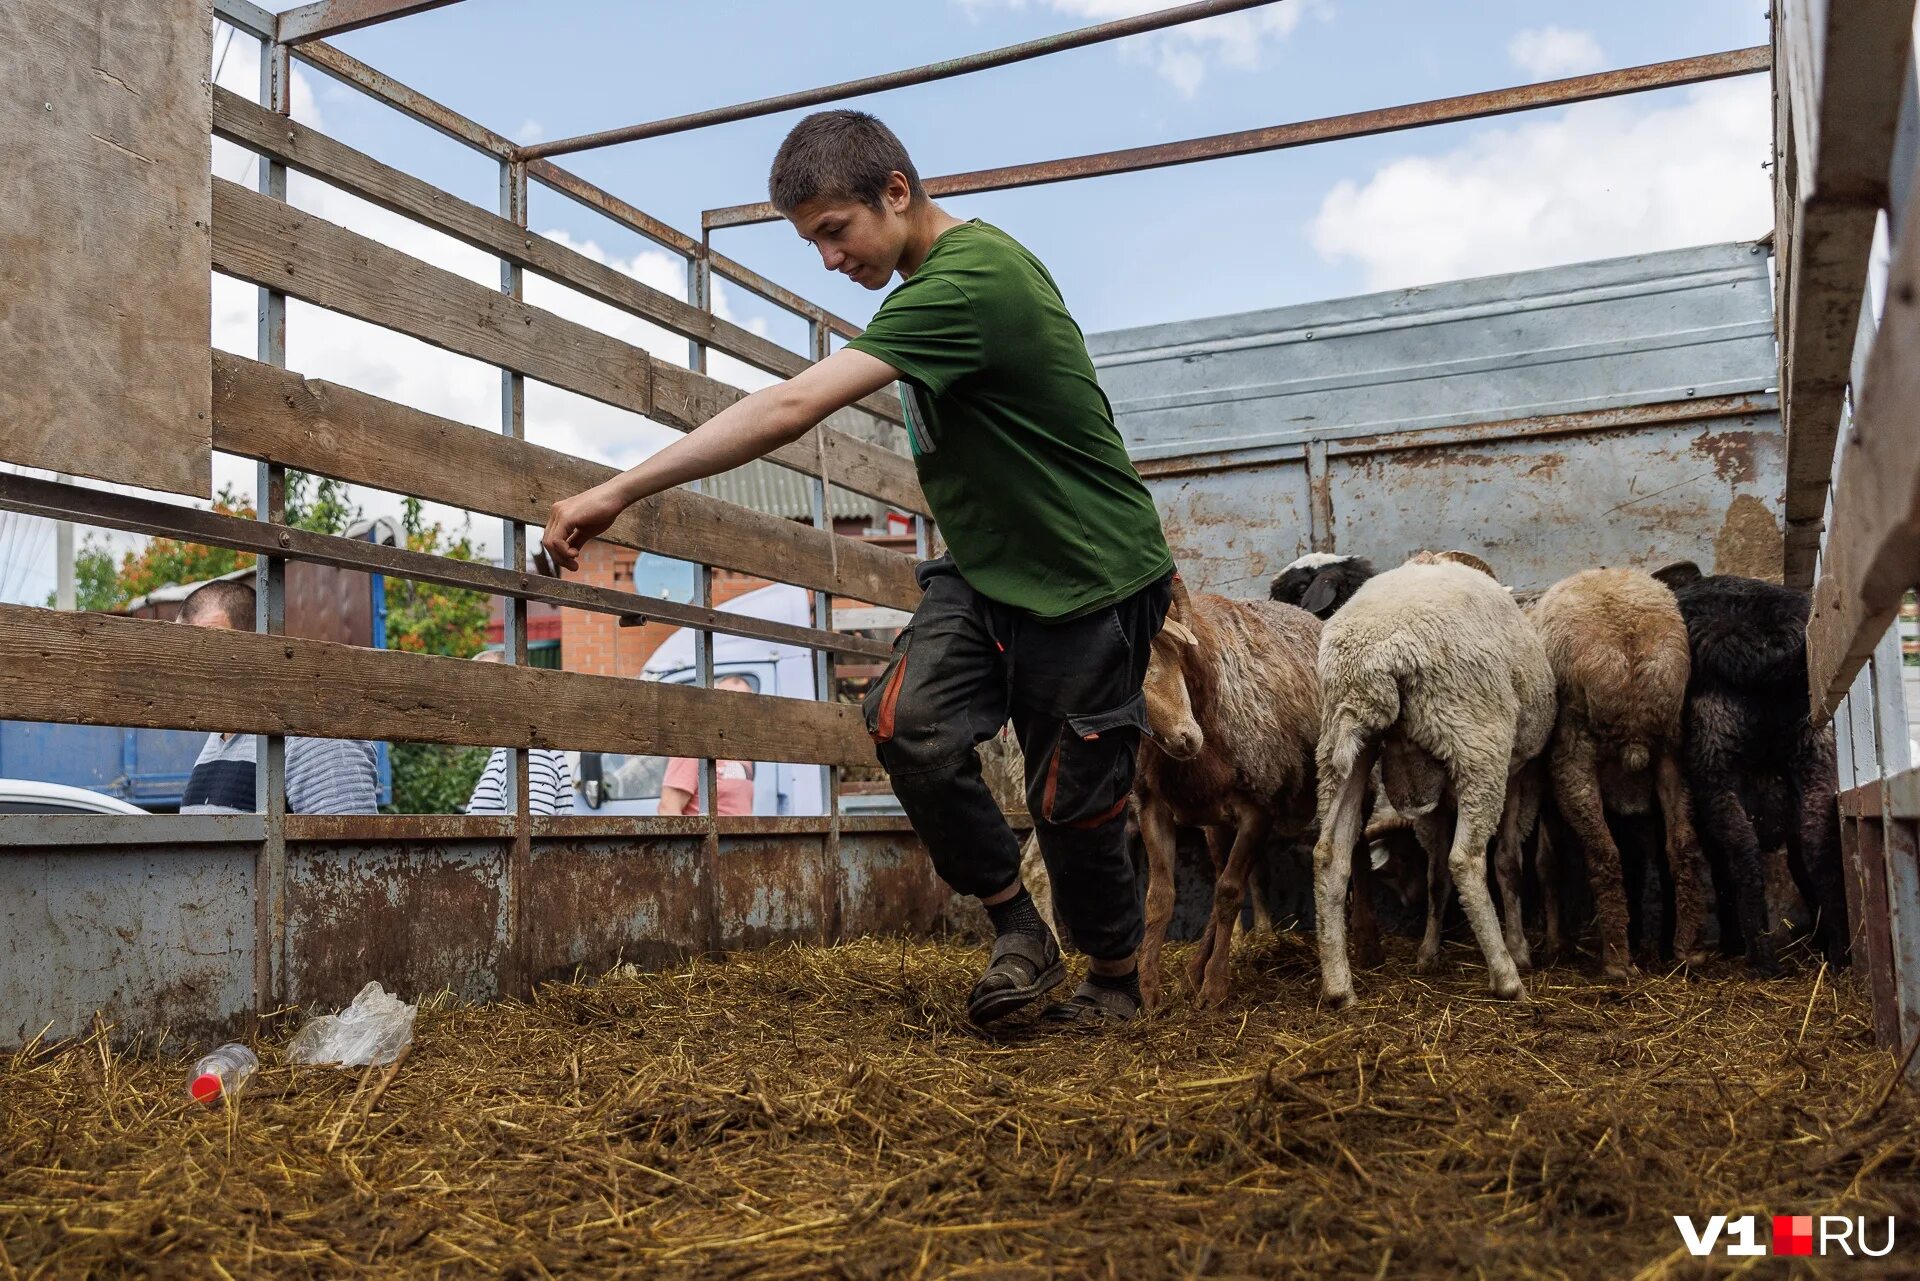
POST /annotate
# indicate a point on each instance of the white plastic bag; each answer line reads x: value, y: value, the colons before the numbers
x: 374, y: 1029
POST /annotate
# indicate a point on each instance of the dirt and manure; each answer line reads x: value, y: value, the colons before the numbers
x: 826, y: 1112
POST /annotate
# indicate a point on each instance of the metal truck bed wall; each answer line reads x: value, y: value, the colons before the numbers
x: 1606, y: 413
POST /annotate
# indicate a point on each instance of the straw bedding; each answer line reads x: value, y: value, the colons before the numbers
x: 825, y: 1112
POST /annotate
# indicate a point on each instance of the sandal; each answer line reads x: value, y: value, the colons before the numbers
x: 1092, y: 1006
x: 1024, y: 968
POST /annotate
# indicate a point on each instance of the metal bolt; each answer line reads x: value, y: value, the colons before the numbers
x: 286, y: 540
x: 49, y: 106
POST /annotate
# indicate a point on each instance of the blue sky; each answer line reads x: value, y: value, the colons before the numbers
x: 1648, y: 172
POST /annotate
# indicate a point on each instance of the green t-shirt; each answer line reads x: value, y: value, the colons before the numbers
x: 1012, y: 436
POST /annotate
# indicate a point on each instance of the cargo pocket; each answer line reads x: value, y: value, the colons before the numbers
x: 1090, y: 774
x: 883, y: 700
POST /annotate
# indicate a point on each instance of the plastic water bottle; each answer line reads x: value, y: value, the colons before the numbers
x: 222, y: 1072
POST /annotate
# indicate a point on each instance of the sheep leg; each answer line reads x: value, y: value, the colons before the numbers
x: 1517, y: 816
x: 1367, y: 951
x: 1229, y: 889
x: 1340, y: 823
x: 1218, y: 848
x: 1482, y: 801
x: 1546, y: 866
x: 1156, y: 833
x: 1683, y: 861
x: 1813, y: 856
x: 1576, y: 788
x: 1431, y: 831
x: 1732, y: 830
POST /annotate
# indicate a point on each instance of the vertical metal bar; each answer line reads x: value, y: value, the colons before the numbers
x: 270, y: 606
x: 1319, y: 498
x: 517, y: 957
x: 820, y: 341
x: 700, y: 294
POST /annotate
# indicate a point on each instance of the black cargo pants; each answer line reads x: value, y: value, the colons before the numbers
x: 959, y: 670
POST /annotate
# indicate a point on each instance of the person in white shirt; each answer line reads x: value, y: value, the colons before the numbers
x: 549, y: 781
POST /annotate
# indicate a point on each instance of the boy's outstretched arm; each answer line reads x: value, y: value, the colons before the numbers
x: 740, y: 433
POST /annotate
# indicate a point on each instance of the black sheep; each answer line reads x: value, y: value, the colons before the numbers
x: 1760, y: 773
x: 1321, y: 582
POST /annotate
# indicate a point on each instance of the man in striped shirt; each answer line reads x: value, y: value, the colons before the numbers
x: 549, y: 781
x: 324, y: 775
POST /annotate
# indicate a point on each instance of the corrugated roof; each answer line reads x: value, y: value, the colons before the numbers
x: 781, y: 491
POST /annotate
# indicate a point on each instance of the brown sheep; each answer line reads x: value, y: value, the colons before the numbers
x: 1234, y: 710
x: 1618, y: 647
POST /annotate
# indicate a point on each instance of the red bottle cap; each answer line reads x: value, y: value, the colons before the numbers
x: 205, y: 1087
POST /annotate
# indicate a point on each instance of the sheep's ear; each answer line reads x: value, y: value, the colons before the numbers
x: 1320, y: 592
x: 1678, y: 573
x: 1470, y: 561
x: 1178, y: 630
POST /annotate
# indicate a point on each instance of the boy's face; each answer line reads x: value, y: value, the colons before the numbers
x: 860, y: 242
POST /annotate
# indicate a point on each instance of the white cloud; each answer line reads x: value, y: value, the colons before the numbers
x: 530, y: 132
x: 1548, y: 53
x: 1599, y: 180
x: 1183, y: 55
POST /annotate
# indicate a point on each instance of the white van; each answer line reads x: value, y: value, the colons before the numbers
x: 611, y: 783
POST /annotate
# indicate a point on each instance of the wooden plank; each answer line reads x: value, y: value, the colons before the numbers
x: 1845, y: 69
x: 267, y: 413
x: 337, y: 17
x: 105, y: 304
x: 101, y: 669
x: 1872, y: 553
x: 314, y: 153
x: 263, y: 538
x: 272, y: 244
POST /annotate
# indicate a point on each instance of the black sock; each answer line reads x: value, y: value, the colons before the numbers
x: 1018, y: 915
x: 1128, y: 983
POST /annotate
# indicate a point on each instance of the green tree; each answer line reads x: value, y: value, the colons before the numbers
x: 435, y: 778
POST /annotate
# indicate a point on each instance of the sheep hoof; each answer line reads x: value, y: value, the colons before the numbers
x: 1619, y: 973
x: 1337, y: 1000
x: 1212, y: 994
x: 1427, y: 963
x: 1522, y: 962
x: 1513, y: 990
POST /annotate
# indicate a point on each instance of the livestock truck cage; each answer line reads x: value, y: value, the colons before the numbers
x: 1747, y: 406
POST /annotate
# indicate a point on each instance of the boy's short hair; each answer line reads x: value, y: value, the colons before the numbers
x: 839, y: 155
x: 222, y: 599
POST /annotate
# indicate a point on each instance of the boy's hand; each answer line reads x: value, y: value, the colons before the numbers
x: 575, y: 521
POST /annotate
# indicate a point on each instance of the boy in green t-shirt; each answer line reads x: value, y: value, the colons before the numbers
x: 1057, y: 575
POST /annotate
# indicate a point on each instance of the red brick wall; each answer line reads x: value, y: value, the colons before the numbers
x: 597, y: 643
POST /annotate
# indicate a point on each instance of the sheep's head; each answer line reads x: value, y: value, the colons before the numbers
x: 1170, y: 716
x: 1320, y: 582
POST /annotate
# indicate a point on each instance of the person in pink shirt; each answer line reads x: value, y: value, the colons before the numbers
x: 733, y: 784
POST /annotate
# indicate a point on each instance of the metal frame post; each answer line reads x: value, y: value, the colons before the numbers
x: 518, y: 963
x: 820, y: 346
x: 270, y: 603
x: 700, y: 294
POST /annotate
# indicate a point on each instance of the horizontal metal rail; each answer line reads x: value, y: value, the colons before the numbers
x: 337, y: 17
x: 1360, y: 124
x: 84, y: 506
x: 1040, y: 48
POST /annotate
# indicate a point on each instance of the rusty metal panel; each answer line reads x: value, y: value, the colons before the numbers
x: 418, y: 917
x: 156, y: 940
x: 1612, y: 412
x: 772, y: 889
x: 1539, y: 509
x: 888, y: 886
x: 592, y: 904
x: 1233, y: 528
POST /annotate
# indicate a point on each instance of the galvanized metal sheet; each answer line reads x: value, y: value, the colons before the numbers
x: 154, y: 940
x: 597, y: 903
x: 1604, y: 413
x: 1625, y: 331
x: 417, y: 917
x: 888, y: 886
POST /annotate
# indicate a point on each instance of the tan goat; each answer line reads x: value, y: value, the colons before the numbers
x: 1618, y: 647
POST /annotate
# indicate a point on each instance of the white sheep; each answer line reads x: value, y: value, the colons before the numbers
x: 1431, y: 669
